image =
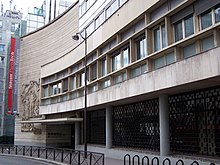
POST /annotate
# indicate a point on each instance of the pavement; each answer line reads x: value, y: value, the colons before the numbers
x: 109, y: 161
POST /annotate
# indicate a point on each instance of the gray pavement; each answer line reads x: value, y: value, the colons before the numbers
x: 18, y: 160
x: 109, y: 161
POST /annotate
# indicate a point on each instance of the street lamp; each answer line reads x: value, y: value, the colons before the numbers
x: 76, y: 37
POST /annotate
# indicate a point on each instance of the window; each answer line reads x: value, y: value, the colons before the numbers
x: 99, y: 20
x: 82, y: 79
x: 1, y: 72
x: 189, y: 50
x: 65, y: 85
x: 1, y: 97
x: 0, y: 36
x: 159, y: 37
x: 184, y: 28
x: 1, y: 84
x: 119, y: 78
x: 2, y: 48
x: 2, y: 60
x: 90, y: 29
x: 138, y: 70
x: 93, y: 72
x: 206, y: 19
x: 104, y: 67
x: 121, y: 2
x: 1, y: 24
x: 207, y: 43
x: 106, y: 83
x: 93, y: 88
x: 45, y: 89
x: 59, y: 88
x: 111, y: 9
x: 53, y: 89
x: 164, y: 60
x: 116, y: 62
x: 73, y: 84
x: 82, y: 8
x: 125, y: 56
x: 141, y: 48
x: 217, y: 14
x: 14, y: 27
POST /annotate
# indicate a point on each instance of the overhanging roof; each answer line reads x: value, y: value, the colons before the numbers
x: 55, y: 121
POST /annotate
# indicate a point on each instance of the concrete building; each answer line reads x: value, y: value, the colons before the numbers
x: 153, y: 80
x: 9, y: 27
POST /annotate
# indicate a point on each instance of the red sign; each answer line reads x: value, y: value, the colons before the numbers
x: 11, y: 75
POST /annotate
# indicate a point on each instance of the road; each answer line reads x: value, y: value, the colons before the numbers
x: 15, y: 160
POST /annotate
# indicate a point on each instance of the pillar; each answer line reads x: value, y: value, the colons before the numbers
x: 108, y: 127
x: 77, y: 133
x: 164, y: 126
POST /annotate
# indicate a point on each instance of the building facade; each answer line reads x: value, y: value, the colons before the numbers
x: 9, y: 27
x: 153, y: 81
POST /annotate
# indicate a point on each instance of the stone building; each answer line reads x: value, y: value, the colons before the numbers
x: 153, y: 80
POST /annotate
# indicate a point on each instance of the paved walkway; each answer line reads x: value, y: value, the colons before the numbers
x: 109, y: 161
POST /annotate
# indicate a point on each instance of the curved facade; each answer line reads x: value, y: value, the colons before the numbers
x: 153, y: 80
x: 50, y: 42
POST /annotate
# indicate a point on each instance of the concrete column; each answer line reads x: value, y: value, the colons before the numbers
x: 164, y: 126
x: 108, y: 127
x: 77, y: 133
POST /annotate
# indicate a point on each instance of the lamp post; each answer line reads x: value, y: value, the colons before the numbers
x: 76, y: 37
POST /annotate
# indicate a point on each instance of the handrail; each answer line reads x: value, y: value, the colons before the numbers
x: 63, y: 155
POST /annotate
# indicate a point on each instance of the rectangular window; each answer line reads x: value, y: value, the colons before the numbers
x: 73, y: 82
x: 206, y: 19
x: 2, y: 48
x: 125, y: 54
x: 93, y: 72
x: 217, y: 14
x: 90, y: 28
x: 99, y: 20
x: 53, y: 89
x: 1, y: 24
x: 207, y: 43
x: 159, y: 37
x: 2, y: 60
x: 1, y: 72
x: 111, y: 9
x: 65, y: 85
x: 59, y: 88
x: 141, y: 48
x: 106, y: 83
x: 116, y: 62
x: 121, y: 2
x: 82, y: 79
x: 119, y: 78
x: 45, y: 91
x: 189, y: 26
x: 178, y: 28
x: 164, y: 60
x: 189, y: 50
x: 1, y: 97
x: 138, y: 70
x: 1, y: 84
x: 104, y: 67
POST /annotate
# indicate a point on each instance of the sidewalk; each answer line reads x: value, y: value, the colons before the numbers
x: 110, y: 161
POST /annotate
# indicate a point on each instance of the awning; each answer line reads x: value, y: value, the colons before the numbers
x: 53, y: 121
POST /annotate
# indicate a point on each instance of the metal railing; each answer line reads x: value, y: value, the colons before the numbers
x: 136, y: 160
x: 68, y: 156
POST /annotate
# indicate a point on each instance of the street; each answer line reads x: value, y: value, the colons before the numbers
x: 12, y: 160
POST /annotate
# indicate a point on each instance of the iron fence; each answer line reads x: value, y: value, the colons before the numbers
x: 69, y: 156
x: 137, y: 160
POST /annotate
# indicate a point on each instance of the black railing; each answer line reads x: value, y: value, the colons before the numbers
x: 137, y: 160
x: 69, y: 156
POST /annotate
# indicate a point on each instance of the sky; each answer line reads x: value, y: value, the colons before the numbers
x: 21, y: 5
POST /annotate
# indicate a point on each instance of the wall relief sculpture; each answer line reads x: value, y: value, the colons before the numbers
x: 30, y: 102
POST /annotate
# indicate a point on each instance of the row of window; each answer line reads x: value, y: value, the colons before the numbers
x: 133, y: 50
x: 105, y: 14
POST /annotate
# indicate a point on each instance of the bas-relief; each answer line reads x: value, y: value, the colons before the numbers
x: 30, y: 102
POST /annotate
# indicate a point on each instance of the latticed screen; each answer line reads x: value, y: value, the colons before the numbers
x: 137, y: 125
x: 195, y: 122
x: 96, y: 127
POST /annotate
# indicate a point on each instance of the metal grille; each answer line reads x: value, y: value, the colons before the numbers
x: 195, y: 122
x: 137, y: 125
x: 96, y: 127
